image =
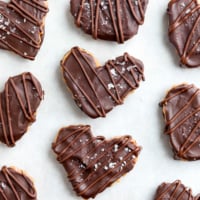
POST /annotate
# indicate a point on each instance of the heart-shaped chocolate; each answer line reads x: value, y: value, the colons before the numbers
x: 18, y: 104
x: 96, y: 90
x: 93, y: 163
x: 174, y: 191
x: 15, y: 184
x: 22, y: 26
x: 184, y: 30
x: 115, y: 20
x: 181, y: 110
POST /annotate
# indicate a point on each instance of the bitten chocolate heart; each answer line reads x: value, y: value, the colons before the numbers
x: 181, y: 110
x: 113, y: 20
x: 174, y: 191
x: 18, y: 104
x: 184, y: 30
x: 15, y: 184
x: 93, y: 163
x: 96, y: 90
x: 22, y: 26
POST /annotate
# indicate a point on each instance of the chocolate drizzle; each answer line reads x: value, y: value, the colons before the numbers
x: 93, y: 163
x: 15, y: 185
x: 184, y: 30
x: 174, y: 191
x: 96, y: 90
x: 18, y: 104
x: 22, y: 26
x: 181, y: 110
x: 108, y: 19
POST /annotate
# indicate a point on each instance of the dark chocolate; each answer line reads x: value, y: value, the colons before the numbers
x: 184, y: 30
x: 181, y: 110
x: 174, y: 191
x: 115, y: 20
x: 93, y: 163
x: 22, y: 26
x: 96, y: 90
x: 15, y: 185
x: 18, y: 104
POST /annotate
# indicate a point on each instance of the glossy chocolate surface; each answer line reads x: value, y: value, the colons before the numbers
x: 18, y: 104
x: 93, y: 163
x: 174, y: 191
x: 15, y: 185
x: 184, y: 30
x: 96, y: 90
x: 115, y: 20
x: 181, y: 110
x: 22, y: 26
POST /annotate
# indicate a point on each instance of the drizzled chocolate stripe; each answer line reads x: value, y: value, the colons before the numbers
x: 181, y: 110
x: 184, y: 32
x: 175, y: 191
x: 18, y: 104
x: 22, y: 26
x: 109, y: 19
x: 93, y: 163
x: 15, y: 185
x: 96, y: 90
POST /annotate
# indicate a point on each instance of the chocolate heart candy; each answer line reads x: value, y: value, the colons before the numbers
x: 181, y: 110
x: 15, y: 184
x: 174, y: 191
x: 93, y: 163
x: 22, y: 26
x: 18, y: 103
x: 184, y: 30
x: 113, y: 20
x: 96, y: 90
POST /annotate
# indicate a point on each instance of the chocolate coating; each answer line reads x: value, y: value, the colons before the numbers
x: 22, y: 26
x: 184, y: 30
x: 115, y: 20
x: 175, y: 191
x: 93, y: 163
x: 15, y: 185
x: 18, y: 104
x: 96, y: 90
x: 181, y: 110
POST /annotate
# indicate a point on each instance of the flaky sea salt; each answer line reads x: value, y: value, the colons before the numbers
x: 112, y: 165
x: 110, y: 86
x: 116, y: 146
